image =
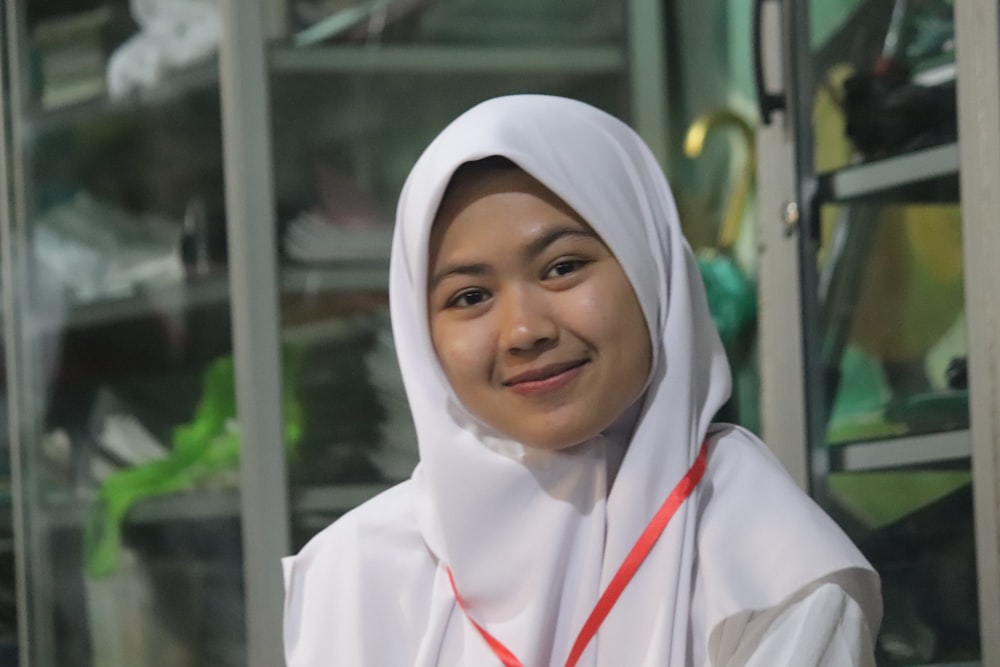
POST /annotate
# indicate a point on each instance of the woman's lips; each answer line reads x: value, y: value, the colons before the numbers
x: 546, y: 379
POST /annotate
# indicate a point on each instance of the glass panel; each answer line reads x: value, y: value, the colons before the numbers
x: 893, y: 336
x: 128, y: 438
x: 890, y: 359
x: 344, y: 142
x: 894, y: 356
x: 884, y: 78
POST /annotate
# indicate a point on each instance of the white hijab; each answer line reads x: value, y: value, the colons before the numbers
x: 533, y: 537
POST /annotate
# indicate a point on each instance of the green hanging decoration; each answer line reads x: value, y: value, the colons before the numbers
x: 209, y: 444
x: 732, y: 298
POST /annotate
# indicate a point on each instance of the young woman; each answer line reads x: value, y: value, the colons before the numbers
x: 573, y: 504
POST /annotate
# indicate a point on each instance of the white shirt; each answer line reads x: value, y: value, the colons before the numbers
x: 820, y: 626
x: 824, y: 628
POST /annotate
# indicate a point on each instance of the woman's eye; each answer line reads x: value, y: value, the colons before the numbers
x: 468, y: 298
x: 564, y: 268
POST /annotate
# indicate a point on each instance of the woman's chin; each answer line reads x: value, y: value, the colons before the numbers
x: 553, y: 442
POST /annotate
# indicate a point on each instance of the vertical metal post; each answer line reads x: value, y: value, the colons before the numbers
x: 648, y: 74
x: 782, y: 373
x: 801, y: 85
x: 250, y: 214
x: 782, y: 398
x: 35, y: 596
x: 977, y: 33
x: 275, y: 13
x: 10, y: 333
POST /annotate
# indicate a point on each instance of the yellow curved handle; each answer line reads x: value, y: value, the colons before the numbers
x: 694, y: 143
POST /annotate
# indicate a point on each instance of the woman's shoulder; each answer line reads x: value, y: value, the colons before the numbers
x: 747, y: 495
x: 376, y: 548
x: 369, y: 564
x: 390, y: 510
x: 732, y: 448
x: 369, y: 533
x: 745, y: 477
x: 762, y: 538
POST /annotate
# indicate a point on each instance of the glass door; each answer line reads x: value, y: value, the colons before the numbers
x: 883, y: 309
x: 119, y: 362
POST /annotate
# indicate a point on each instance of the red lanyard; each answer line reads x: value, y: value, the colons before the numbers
x: 626, y: 571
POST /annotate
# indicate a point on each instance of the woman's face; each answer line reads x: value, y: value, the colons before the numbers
x: 532, y: 318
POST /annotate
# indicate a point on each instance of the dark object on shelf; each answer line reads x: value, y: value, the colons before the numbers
x: 907, y: 100
x: 958, y: 373
x: 888, y: 114
x: 204, y: 245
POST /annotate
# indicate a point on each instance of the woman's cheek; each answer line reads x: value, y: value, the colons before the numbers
x: 592, y: 309
x: 463, y: 347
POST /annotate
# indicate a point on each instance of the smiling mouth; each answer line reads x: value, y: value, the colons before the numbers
x: 545, y: 379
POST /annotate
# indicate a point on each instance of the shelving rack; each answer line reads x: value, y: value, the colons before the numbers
x: 369, y: 275
x: 796, y: 349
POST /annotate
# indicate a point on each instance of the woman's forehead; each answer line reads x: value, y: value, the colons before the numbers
x: 507, y: 194
x: 468, y: 185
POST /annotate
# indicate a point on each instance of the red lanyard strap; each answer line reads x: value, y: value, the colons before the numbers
x: 625, y: 572
x: 506, y: 657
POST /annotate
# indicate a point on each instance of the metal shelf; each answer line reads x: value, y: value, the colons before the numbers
x: 175, y: 85
x: 180, y: 83
x: 939, y: 449
x: 178, y: 296
x: 70, y: 512
x: 902, y: 178
x: 368, y: 275
x: 448, y: 60
x: 361, y: 275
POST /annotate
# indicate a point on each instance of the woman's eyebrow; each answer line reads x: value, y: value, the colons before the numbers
x: 550, y: 236
x: 457, y: 270
x: 532, y: 250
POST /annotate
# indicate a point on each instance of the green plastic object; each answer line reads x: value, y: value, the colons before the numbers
x: 207, y: 445
x: 879, y: 499
x: 864, y: 410
x: 732, y: 298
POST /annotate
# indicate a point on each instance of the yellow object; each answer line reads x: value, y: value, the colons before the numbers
x: 935, y: 236
x: 878, y: 499
x: 694, y: 143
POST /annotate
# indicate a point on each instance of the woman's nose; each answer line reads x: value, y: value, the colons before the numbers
x: 526, y: 323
